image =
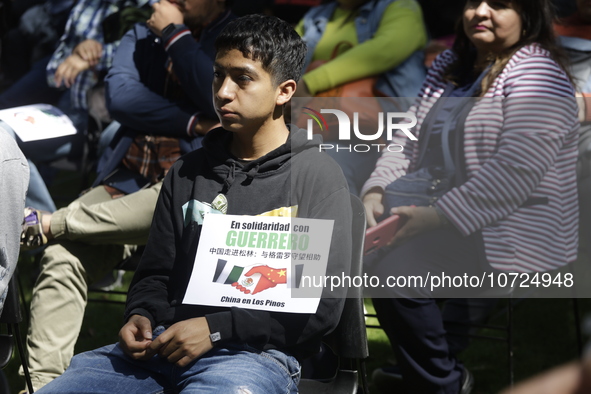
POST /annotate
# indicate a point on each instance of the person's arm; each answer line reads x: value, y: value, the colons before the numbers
x: 65, y: 45
x: 401, y: 32
x: 90, y: 54
x: 68, y: 71
x: 132, y: 103
x: 148, y: 292
x: 539, y: 119
x: 100, y: 57
x: 391, y: 165
x: 82, y: 44
x: 90, y: 50
x: 148, y: 299
x: 192, y: 63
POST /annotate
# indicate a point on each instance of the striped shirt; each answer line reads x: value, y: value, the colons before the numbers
x: 520, y: 148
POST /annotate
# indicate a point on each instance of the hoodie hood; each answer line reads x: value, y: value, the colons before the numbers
x: 228, y: 167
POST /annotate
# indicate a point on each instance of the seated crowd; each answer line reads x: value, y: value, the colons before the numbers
x: 194, y: 103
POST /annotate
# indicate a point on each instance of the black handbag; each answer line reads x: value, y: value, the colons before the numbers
x: 423, y: 187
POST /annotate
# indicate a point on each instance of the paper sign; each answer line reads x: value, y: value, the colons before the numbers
x: 38, y: 122
x: 257, y: 262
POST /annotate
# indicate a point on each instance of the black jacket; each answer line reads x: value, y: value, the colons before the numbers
x: 293, y: 174
x: 135, y: 87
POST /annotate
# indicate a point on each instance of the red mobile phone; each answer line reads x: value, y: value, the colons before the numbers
x: 380, y: 234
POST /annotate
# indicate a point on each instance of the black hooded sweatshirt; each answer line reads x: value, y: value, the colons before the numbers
x: 295, y: 174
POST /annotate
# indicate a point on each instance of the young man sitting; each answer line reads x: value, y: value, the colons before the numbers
x: 253, y: 165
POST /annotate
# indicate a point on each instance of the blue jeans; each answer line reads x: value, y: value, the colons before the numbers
x: 231, y: 369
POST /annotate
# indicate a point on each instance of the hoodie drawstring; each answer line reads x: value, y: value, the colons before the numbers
x: 252, y: 172
x: 229, y: 179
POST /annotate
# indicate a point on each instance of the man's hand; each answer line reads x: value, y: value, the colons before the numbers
x: 135, y: 337
x: 373, y: 206
x: 164, y: 14
x: 416, y: 220
x: 67, y: 72
x: 183, y: 342
x: 89, y: 50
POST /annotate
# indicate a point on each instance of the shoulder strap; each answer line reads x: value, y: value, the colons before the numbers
x: 459, y: 113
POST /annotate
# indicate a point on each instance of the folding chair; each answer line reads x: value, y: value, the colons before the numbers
x: 349, y: 340
x: 11, y: 317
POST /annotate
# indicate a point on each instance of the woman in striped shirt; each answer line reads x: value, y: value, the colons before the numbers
x: 512, y: 206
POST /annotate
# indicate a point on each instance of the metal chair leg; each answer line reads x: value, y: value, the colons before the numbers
x: 363, y: 373
x: 21, y: 352
x: 578, y: 329
x: 510, y: 341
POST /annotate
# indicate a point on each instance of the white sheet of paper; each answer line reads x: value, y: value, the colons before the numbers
x: 257, y: 262
x: 38, y: 122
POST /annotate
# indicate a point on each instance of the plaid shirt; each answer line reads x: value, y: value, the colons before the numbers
x: 85, y: 22
x: 152, y: 156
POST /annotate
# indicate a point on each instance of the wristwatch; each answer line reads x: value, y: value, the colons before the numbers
x: 215, y: 337
x: 168, y: 29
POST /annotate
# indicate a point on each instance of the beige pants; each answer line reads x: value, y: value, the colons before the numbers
x: 95, y: 233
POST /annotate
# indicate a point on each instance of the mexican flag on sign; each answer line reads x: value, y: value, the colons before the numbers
x: 228, y: 274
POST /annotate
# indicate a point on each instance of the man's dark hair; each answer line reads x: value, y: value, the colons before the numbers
x: 269, y: 40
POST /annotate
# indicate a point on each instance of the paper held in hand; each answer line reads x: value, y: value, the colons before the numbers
x: 38, y: 122
x: 259, y: 262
